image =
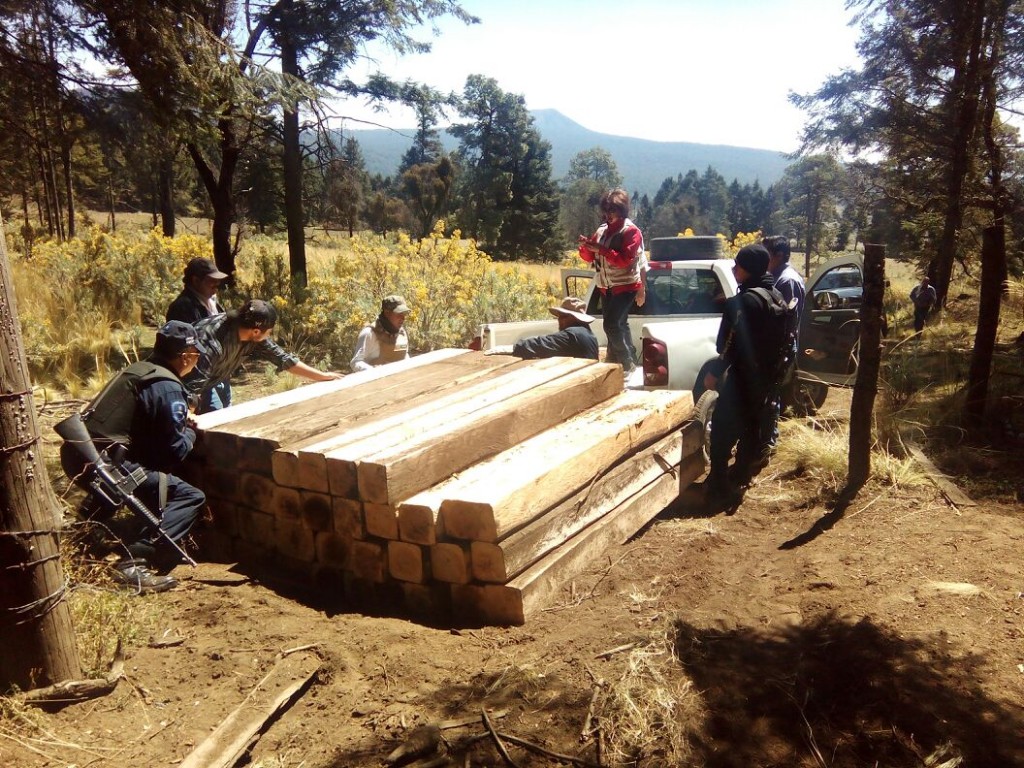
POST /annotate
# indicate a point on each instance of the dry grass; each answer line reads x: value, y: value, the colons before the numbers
x: 820, y: 448
x: 647, y: 714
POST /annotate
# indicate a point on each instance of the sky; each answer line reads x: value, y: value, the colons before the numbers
x: 704, y: 71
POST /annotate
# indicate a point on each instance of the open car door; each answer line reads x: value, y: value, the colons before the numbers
x: 830, y: 324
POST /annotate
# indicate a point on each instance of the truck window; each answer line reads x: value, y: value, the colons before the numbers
x: 683, y: 292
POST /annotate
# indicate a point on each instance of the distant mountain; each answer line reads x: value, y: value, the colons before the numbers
x: 643, y: 164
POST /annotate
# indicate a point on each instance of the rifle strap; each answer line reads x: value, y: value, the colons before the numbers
x: 162, y: 494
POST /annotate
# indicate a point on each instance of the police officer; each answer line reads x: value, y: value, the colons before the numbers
x: 145, y: 409
x: 750, y: 345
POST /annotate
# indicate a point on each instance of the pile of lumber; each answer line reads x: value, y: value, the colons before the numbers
x: 464, y: 485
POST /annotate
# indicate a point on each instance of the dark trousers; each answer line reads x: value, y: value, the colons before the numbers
x: 920, y: 315
x: 616, y: 328
x: 181, y: 509
x: 182, y: 506
x: 737, y: 422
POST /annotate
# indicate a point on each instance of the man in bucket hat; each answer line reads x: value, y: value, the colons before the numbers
x: 145, y: 409
x: 385, y: 340
x: 573, y: 339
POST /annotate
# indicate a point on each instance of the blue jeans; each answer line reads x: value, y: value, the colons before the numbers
x: 219, y: 396
x: 616, y: 328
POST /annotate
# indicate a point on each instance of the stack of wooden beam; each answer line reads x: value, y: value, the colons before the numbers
x: 460, y: 483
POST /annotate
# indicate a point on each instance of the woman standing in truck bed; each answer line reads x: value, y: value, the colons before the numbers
x: 615, y: 250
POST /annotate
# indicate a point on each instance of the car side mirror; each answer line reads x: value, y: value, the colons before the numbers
x: 826, y: 300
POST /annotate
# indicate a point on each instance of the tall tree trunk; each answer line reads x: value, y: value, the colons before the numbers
x: 292, y: 163
x: 963, y: 107
x: 166, y: 185
x: 69, y: 187
x: 993, y: 244
x: 220, y: 189
x: 866, y: 387
x: 36, y: 634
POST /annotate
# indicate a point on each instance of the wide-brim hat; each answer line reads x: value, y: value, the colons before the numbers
x: 573, y: 307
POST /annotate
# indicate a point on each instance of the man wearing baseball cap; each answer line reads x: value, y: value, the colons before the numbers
x: 145, y: 409
x: 198, y: 299
x: 385, y: 340
x: 573, y: 338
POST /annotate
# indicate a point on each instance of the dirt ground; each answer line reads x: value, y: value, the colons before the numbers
x: 792, y: 633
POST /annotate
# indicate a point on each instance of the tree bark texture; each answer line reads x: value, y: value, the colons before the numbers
x: 993, y: 262
x: 166, y: 183
x: 36, y: 635
x: 294, y: 214
x: 963, y: 109
x: 866, y: 386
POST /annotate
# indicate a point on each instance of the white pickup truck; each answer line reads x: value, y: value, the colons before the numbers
x: 677, y: 326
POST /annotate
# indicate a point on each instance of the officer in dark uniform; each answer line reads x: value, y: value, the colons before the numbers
x: 750, y: 346
x: 145, y: 409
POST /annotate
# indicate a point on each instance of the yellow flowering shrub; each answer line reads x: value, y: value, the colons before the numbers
x: 450, y: 285
x: 83, y: 302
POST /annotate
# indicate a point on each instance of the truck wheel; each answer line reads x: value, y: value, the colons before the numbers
x: 810, y: 396
x: 703, y: 412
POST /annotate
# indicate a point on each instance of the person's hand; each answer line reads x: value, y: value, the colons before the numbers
x: 641, y: 295
x: 331, y: 375
x: 501, y: 349
x: 710, y: 381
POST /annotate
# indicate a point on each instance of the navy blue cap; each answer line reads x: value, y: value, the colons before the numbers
x: 174, y: 337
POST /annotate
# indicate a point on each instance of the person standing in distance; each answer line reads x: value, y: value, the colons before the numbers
x: 924, y: 298
x: 385, y: 340
x: 615, y: 250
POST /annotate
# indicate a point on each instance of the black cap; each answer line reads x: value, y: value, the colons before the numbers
x: 200, y: 267
x: 259, y: 314
x: 174, y: 337
x: 754, y: 259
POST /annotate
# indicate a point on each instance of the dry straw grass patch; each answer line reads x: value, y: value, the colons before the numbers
x: 647, y: 714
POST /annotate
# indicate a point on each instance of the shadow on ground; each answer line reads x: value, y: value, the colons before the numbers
x: 831, y: 692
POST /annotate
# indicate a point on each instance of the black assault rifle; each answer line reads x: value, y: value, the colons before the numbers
x: 108, y: 481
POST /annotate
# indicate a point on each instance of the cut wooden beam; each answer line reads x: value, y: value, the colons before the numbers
x: 300, y: 463
x: 495, y: 497
x: 368, y: 561
x: 380, y: 520
x: 406, y: 562
x: 450, y: 563
x: 498, y: 562
x: 534, y: 588
x: 342, y: 462
x: 470, y: 432
x: 343, y: 408
x: 209, y: 421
